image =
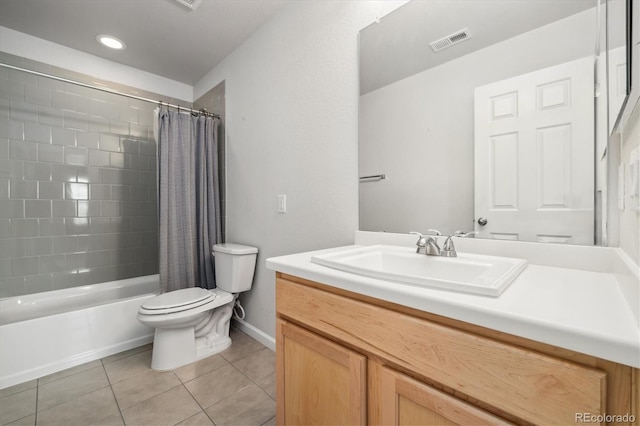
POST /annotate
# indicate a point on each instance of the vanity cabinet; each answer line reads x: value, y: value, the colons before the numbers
x: 345, y: 358
x: 323, y: 383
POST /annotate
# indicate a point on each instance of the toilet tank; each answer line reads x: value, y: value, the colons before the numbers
x: 235, y: 265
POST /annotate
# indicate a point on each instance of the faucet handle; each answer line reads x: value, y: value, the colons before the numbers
x: 421, y: 238
x: 448, y: 249
x: 434, y: 231
x: 462, y: 234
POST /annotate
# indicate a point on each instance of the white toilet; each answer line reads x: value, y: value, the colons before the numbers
x: 193, y: 323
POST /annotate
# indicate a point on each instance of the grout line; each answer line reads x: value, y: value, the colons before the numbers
x: 128, y: 356
x: 255, y: 383
x: 113, y: 392
x: 70, y: 375
x: 197, y: 402
x: 268, y: 421
x: 76, y: 397
x: 35, y: 421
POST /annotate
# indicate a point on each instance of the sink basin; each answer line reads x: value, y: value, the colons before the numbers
x: 467, y: 273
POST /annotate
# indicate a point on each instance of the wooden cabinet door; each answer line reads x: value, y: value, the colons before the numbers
x: 318, y: 382
x: 406, y: 401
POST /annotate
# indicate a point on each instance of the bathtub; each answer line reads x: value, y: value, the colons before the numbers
x: 47, y: 332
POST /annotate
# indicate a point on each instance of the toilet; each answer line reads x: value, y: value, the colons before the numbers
x: 193, y: 323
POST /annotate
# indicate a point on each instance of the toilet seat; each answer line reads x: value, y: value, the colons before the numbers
x: 177, y: 301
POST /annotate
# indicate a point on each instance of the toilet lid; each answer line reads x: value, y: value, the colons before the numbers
x: 179, y: 298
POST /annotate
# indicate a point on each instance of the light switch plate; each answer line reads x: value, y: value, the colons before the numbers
x: 282, y: 203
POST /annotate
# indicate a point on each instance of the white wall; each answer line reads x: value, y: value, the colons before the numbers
x: 419, y: 131
x: 37, y: 49
x: 292, y: 128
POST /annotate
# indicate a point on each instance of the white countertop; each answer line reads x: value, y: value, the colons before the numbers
x: 580, y: 310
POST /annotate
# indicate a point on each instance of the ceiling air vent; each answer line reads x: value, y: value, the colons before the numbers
x: 191, y: 4
x: 450, y: 40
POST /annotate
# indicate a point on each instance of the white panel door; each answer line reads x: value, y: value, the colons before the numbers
x: 534, y: 150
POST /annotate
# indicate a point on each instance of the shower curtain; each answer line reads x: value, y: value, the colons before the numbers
x: 188, y: 199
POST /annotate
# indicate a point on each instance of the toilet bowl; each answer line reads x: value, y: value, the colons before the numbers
x: 193, y: 323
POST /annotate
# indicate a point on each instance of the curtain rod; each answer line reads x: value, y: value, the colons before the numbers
x: 114, y: 92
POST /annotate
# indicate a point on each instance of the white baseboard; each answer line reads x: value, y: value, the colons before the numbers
x: 256, y: 333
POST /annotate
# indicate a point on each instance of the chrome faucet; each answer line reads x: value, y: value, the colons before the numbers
x: 448, y: 249
x: 427, y: 244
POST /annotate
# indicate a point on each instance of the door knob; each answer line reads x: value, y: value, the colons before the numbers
x: 482, y: 221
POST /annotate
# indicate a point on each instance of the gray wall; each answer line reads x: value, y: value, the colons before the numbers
x: 77, y: 183
x: 214, y: 101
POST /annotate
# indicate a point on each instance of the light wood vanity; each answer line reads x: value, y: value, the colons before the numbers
x: 347, y: 358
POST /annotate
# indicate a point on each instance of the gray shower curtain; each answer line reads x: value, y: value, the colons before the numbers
x: 188, y: 199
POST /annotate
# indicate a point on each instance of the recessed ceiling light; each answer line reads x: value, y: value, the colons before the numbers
x: 111, y: 41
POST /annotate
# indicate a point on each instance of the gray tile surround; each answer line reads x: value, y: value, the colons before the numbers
x: 78, y: 164
x: 77, y: 184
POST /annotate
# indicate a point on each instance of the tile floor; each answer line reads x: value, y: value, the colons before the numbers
x: 235, y: 387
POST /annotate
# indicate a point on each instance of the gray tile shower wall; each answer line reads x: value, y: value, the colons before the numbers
x: 77, y: 185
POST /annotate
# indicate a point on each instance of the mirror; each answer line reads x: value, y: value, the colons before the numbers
x: 618, y: 84
x: 623, y: 60
x: 479, y: 115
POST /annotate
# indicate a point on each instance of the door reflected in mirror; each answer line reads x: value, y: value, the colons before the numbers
x: 498, y: 125
x: 616, y: 59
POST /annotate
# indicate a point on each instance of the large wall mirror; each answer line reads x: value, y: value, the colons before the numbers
x: 618, y: 80
x: 479, y: 115
x: 623, y: 60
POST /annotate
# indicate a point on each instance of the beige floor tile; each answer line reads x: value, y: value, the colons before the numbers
x: 125, y: 354
x: 204, y: 366
x: 69, y: 372
x: 128, y: 367
x: 18, y: 388
x: 87, y: 409
x: 143, y: 386
x: 257, y: 365
x: 268, y: 384
x: 200, y: 419
x: 25, y: 421
x: 217, y: 385
x: 270, y: 422
x: 71, y: 387
x: 250, y: 406
x: 82, y: 396
x: 17, y: 406
x: 241, y: 346
x: 167, y: 408
x: 115, y: 420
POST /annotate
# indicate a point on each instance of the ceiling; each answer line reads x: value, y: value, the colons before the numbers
x: 162, y: 36
x: 398, y: 46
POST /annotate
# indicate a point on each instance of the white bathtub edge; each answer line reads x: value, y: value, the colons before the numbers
x: 44, y: 370
x: 40, y: 346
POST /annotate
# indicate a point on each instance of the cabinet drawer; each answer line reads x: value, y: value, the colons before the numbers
x: 533, y: 387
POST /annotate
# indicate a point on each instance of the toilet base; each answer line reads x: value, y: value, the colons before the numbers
x: 200, y: 337
x: 174, y: 348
